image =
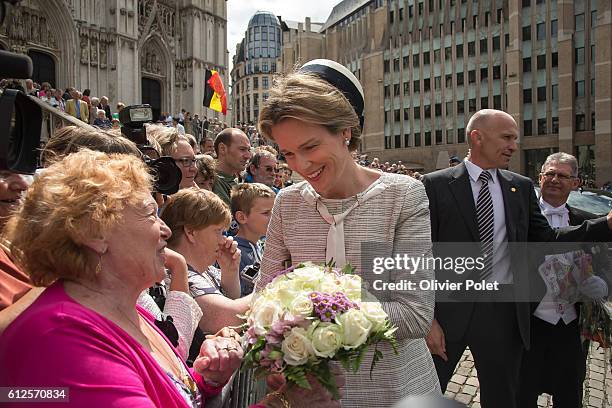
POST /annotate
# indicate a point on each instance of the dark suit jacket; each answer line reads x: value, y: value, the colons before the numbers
x: 453, y: 219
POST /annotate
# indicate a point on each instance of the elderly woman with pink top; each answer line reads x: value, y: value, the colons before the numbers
x: 88, y: 230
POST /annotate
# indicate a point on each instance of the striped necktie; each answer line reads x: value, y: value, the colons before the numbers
x: 484, y: 216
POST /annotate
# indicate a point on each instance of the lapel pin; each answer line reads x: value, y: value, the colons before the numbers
x: 513, y: 190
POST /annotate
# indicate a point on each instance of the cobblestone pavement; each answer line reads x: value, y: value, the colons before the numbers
x: 464, y: 386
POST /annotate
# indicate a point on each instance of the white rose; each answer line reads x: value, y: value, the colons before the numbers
x: 351, y: 286
x: 308, y: 277
x: 301, y: 306
x: 326, y: 339
x: 296, y: 347
x: 264, y: 315
x: 355, y: 326
x: 286, y: 292
x: 330, y: 283
x: 375, y: 313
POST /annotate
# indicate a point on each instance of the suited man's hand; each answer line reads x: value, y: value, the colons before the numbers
x: 435, y: 340
x: 594, y: 288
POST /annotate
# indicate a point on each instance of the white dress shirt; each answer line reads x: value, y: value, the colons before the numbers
x: 501, y: 256
x: 552, y: 308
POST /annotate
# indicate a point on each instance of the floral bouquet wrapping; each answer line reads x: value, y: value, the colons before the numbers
x: 310, y: 316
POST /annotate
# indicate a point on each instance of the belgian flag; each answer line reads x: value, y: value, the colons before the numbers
x: 214, y: 92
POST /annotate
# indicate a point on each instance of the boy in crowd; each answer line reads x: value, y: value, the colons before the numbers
x: 251, y: 208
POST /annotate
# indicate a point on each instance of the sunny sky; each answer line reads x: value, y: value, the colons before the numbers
x: 239, y: 12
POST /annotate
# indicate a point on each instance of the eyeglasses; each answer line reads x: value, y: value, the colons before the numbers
x: 549, y: 175
x: 186, y: 161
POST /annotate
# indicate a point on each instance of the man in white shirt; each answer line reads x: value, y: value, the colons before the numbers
x: 556, y: 361
x: 180, y: 128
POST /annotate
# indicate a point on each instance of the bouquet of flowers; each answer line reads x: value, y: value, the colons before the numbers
x: 312, y: 315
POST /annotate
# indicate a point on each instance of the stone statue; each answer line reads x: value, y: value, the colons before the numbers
x: 84, y: 50
x: 94, y: 52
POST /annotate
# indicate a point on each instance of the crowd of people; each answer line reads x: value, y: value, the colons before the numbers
x: 127, y: 296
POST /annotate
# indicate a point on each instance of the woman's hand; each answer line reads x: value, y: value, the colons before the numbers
x: 219, y: 358
x: 177, y: 265
x: 229, y: 256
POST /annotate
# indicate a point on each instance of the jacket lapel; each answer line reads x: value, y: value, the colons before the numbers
x: 512, y: 205
x: 462, y: 191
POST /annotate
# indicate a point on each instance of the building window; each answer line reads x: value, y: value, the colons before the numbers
x: 496, y: 45
x: 417, y: 112
x: 406, y: 114
x: 496, y: 72
x: 396, y: 89
x: 527, y: 128
x: 405, y: 62
x: 396, y: 115
x: 497, y: 102
x: 579, y: 55
x: 448, y: 53
x: 438, y: 137
x: 438, y: 109
x: 592, y: 120
x: 427, y: 110
x: 450, y: 137
x: 426, y: 58
x: 527, y: 33
x: 427, y: 138
x: 483, y: 46
x: 527, y: 64
x: 407, y: 140
x: 541, y: 31
x: 506, y: 40
x: 541, y: 126
x: 579, y: 22
x: 449, y: 81
x: 593, y: 87
x: 396, y: 67
x: 471, y: 49
x: 579, y: 89
x: 555, y: 92
x: 461, y: 135
x: 592, y: 54
x: 449, y: 108
x: 406, y: 88
x: 391, y: 17
x: 416, y: 85
x: 410, y: 11
x: 555, y: 125
x: 387, y: 142
x: 526, y: 3
x: 386, y: 66
x: 398, y: 141
x: 460, y: 108
x: 264, y: 83
x: 459, y: 78
x: 436, y: 56
x: 437, y: 82
x: 255, y: 83
x: 471, y: 76
x: 484, y: 102
x: 484, y: 73
x: 527, y: 95
x: 541, y: 61
x: 580, y: 122
x: 553, y: 28
x: 386, y: 117
x: 417, y: 139
x: 426, y: 84
x: 555, y: 59
x: 458, y: 51
x: 401, y: 14
x: 415, y: 61
x: 387, y: 91
x: 472, y: 105
x: 541, y: 93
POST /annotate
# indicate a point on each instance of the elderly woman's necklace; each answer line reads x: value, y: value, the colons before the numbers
x: 181, y: 373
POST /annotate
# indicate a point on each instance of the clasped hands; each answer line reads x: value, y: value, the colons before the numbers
x: 220, y: 356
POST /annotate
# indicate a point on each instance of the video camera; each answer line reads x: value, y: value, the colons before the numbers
x: 167, y: 174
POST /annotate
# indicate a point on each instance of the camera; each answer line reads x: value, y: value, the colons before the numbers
x: 167, y: 174
x: 250, y: 272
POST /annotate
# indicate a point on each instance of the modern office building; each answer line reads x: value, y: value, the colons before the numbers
x: 257, y: 58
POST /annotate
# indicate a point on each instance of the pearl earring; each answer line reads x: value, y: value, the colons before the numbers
x: 347, y: 141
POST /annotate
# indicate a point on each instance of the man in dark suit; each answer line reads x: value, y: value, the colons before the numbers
x: 556, y: 360
x: 478, y: 201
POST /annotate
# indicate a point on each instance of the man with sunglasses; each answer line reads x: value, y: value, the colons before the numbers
x: 261, y: 168
x: 556, y: 361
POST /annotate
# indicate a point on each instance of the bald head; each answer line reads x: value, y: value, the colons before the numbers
x: 492, y: 136
x: 483, y: 119
x: 233, y: 150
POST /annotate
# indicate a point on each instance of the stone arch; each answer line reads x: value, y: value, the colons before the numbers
x: 46, y: 27
x: 155, y: 63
